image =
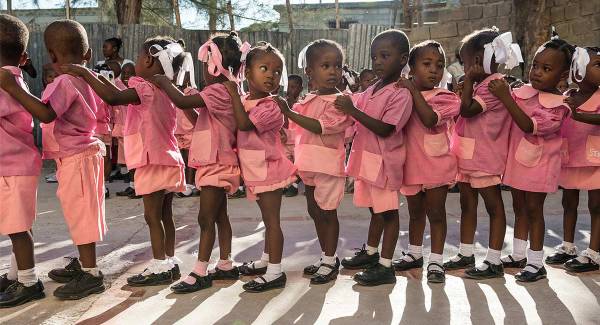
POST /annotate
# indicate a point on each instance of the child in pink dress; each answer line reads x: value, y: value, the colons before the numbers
x: 69, y: 103
x: 183, y: 133
x: 378, y: 155
x: 581, y: 161
x: 534, y: 156
x: 266, y: 171
x: 428, y: 146
x: 150, y: 148
x: 295, y: 85
x: 20, y: 165
x: 319, y: 151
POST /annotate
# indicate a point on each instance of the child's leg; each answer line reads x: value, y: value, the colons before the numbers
x: 537, y: 228
x: 270, y: 208
x: 589, y: 260
x: 211, y: 200
x: 594, y: 206
x: 416, y: 229
x: 87, y: 255
x: 224, y: 231
x: 314, y: 213
x: 168, y: 224
x: 391, y: 228
x: 570, y: 202
x: 468, y: 223
x: 153, y: 210
x: 331, y: 233
x: 22, y: 244
x: 492, y: 197
x: 435, y: 203
x: 520, y: 231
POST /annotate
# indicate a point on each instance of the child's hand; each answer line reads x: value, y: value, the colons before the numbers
x: 6, y: 79
x: 573, y: 102
x: 73, y: 69
x: 160, y: 80
x: 499, y: 88
x: 406, y: 83
x: 475, y: 73
x: 282, y: 103
x: 344, y: 104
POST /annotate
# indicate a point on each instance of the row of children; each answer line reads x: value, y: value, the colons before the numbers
x: 411, y: 137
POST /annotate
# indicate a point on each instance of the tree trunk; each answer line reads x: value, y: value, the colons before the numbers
x: 535, y: 32
x: 337, y: 14
x: 394, y: 13
x: 230, y: 14
x: 212, y: 15
x: 177, y: 13
x: 9, y: 6
x: 128, y: 11
x: 68, y: 9
x: 407, y: 14
x: 419, y: 12
x: 288, y: 6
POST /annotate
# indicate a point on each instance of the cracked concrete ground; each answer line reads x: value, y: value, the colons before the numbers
x: 562, y: 299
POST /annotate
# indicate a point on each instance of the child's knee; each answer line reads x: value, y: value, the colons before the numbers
x: 436, y: 214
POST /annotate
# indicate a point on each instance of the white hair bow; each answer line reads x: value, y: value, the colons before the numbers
x: 166, y: 55
x: 446, y: 79
x: 186, y: 66
x: 579, y: 63
x: 405, y: 71
x: 349, y: 78
x: 302, y: 57
x: 283, y: 82
x: 505, y: 51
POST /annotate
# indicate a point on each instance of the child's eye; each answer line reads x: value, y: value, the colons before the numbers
x: 263, y: 68
x: 278, y: 72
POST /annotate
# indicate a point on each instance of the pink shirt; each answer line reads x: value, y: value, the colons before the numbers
x: 184, y: 126
x: 18, y: 153
x: 428, y: 148
x: 119, y: 113
x: 373, y: 159
x: 320, y: 153
x: 103, y: 116
x: 260, y: 150
x: 213, y: 140
x: 534, y: 159
x: 481, y: 142
x: 150, y: 128
x: 73, y: 129
x: 581, y: 141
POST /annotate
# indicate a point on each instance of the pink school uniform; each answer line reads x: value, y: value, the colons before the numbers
x: 213, y: 140
x: 581, y: 150
x: 20, y: 163
x: 263, y: 164
x: 429, y: 148
x: 150, y: 144
x: 78, y: 156
x: 480, y: 143
x: 119, y: 114
x: 185, y: 128
x: 377, y: 163
x: 320, y: 157
x: 534, y: 159
x: 103, y: 120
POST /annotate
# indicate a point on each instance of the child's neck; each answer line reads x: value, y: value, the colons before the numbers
x: 4, y: 63
x: 255, y: 94
x: 215, y: 80
x: 327, y: 91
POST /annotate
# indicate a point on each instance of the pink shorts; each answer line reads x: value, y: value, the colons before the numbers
x: 478, y: 180
x: 18, y: 196
x: 410, y: 190
x: 120, y: 151
x: 225, y: 176
x: 184, y: 140
x: 253, y: 191
x: 580, y: 178
x: 379, y: 199
x: 81, y: 194
x: 153, y: 178
x: 329, y: 190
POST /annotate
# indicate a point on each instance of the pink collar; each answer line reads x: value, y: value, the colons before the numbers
x: 371, y: 90
x: 547, y: 100
x: 14, y: 70
x: 328, y: 98
x: 592, y: 104
x: 251, y: 103
x: 428, y: 94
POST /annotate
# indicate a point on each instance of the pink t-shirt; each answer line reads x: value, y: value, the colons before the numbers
x: 581, y: 141
x: 213, y: 140
x: 150, y: 128
x: 184, y: 126
x: 320, y: 153
x: 481, y: 142
x: 103, y: 116
x: 73, y: 129
x: 428, y: 149
x: 534, y: 159
x: 18, y: 153
x: 260, y: 150
x: 373, y: 159
x: 119, y: 113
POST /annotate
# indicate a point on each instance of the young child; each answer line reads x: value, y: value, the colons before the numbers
x: 265, y: 169
x: 295, y: 87
x: 480, y: 143
x: 378, y: 155
x: 70, y: 103
x: 428, y: 146
x: 183, y: 133
x: 150, y: 148
x: 366, y: 79
x: 319, y: 152
x: 581, y: 166
x: 212, y: 154
x: 21, y: 165
x: 48, y: 76
x: 534, y: 156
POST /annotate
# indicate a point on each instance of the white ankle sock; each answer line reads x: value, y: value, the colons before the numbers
x: 320, y: 260
x: 329, y: 260
x: 385, y: 262
x: 568, y: 248
x: 91, y: 270
x: 589, y: 254
x: 534, y: 258
x: 493, y: 256
x: 273, y: 272
x: 264, y: 261
x: 371, y: 250
x: 132, y: 185
x: 438, y: 259
x: 12, y: 271
x: 27, y: 277
x: 415, y: 251
x: 466, y: 249
x: 519, y: 249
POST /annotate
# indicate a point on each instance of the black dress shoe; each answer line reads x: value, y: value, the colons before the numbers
x: 5, y: 282
x: 514, y: 264
x: 403, y: 265
x: 291, y: 191
x: 106, y: 193
x: 175, y: 273
x: 18, y: 294
x: 311, y: 269
x: 127, y: 192
x: 134, y: 196
x: 254, y: 286
x: 334, y: 270
x: 249, y: 269
x: 360, y: 260
x: 574, y: 265
x: 82, y: 285
x: 526, y: 276
x: 464, y: 262
x: 150, y: 279
x: 559, y: 257
x: 219, y: 274
x: 376, y: 275
x: 492, y: 271
x: 434, y: 275
x: 68, y: 273
x: 202, y: 282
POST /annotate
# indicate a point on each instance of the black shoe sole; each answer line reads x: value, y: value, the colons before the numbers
x: 452, y: 268
x: 330, y: 277
x: 360, y: 267
x: 486, y: 277
x: 434, y: 280
x: 373, y: 284
x: 60, y: 279
x: 150, y: 284
x: 80, y: 295
x: 37, y: 296
x: 559, y: 262
x: 534, y: 279
x: 581, y: 270
x: 408, y: 267
x: 279, y: 286
x: 189, y: 290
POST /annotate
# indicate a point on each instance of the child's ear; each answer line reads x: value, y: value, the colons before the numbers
x: 565, y: 74
x: 23, y: 58
x: 148, y: 61
x: 88, y: 55
x: 308, y: 71
x: 477, y: 60
x: 52, y: 56
x: 404, y: 59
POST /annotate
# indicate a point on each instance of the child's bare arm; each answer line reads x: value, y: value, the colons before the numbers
x: 241, y: 116
x: 468, y: 106
x: 382, y: 129
x: 177, y: 97
x: 501, y: 89
x: 305, y: 122
x: 32, y: 104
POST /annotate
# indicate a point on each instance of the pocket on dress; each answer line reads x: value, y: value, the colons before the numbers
x: 592, y: 149
x: 201, y: 146
x: 134, y: 149
x: 465, y: 147
x: 370, y: 166
x: 435, y: 145
x: 529, y: 154
x: 254, y: 164
x: 319, y: 159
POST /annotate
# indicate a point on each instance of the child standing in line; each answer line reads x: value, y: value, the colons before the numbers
x: 294, y: 89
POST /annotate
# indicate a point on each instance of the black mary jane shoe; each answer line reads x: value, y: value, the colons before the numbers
x: 175, y: 272
x: 150, y: 279
x: 375, y: 275
x: 575, y: 266
x: 18, y: 294
x: 318, y: 278
x: 559, y: 257
x: 403, y: 265
x: 5, y: 282
x: 126, y: 192
x: 360, y: 260
x: 202, y: 282
x: 250, y: 269
x: 526, y: 276
x: 219, y: 274
x: 435, y: 275
x: 514, y: 264
x: 464, y: 262
x: 492, y: 271
x: 254, y: 286
x: 312, y: 269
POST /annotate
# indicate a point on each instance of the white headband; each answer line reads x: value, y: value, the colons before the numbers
x: 166, y: 55
x: 579, y: 63
x: 302, y: 57
x: 405, y: 71
x: 446, y: 79
x: 186, y: 66
x: 505, y: 51
x: 283, y: 82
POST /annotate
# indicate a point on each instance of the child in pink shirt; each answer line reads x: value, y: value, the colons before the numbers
x: 319, y: 151
x: 534, y: 156
x: 428, y: 146
x: 378, y: 155
x: 265, y: 169
x: 20, y: 165
x: 69, y: 102
x: 295, y: 85
x: 150, y: 148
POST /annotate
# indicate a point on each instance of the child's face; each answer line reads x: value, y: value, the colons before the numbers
x: 108, y: 50
x: 127, y: 71
x: 428, y: 69
x: 264, y: 73
x: 294, y: 88
x: 547, y: 70
x: 470, y: 59
x: 325, y: 70
x: 366, y: 80
x: 592, y: 71
x: 386, y: 59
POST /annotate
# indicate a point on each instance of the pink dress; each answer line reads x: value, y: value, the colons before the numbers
x: 581, y: 150
x: 481, y: 142
x: 429, y: 148
x: 534, y: 159
x: 185, y: 128
x: 263, y: 164
x: 119, y: 115
x: 150, y: 144
x: 377, y: 163
x: 20, y: 163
